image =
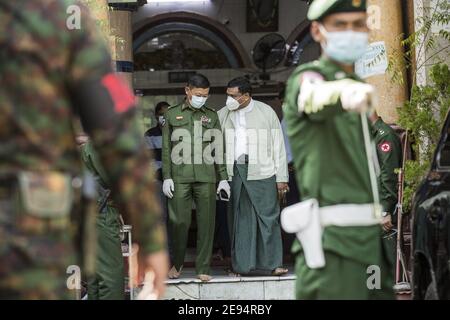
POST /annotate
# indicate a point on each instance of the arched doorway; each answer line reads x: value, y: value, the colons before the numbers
x: 192, y: 33
x: 305, y: 49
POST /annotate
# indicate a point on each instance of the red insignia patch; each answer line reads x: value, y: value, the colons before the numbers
x: 385, y: 147
x: 120, y: 93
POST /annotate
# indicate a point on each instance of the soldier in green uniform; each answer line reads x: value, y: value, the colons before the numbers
x: 339, y: 251
x: 108, y: 281
x: 51, y: 79
x: 192, y: 155
x: 389, y: 151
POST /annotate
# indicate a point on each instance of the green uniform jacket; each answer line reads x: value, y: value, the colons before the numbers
x: 183, y: 151
x: 330, y: 161
x: 90, y: 160
x: 389, y: 150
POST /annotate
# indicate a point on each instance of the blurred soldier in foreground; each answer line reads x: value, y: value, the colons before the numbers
x: 51, y: 76
x: 339, y: 221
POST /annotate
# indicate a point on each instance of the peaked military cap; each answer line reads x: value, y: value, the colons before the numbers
x: 321, y: 8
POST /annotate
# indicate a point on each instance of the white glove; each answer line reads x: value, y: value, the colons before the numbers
x: 223, y: 185
x: 359, y: 97
x: 168, y: 188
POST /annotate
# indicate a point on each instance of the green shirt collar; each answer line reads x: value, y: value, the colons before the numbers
x: 333, y: 68
x: 377, y: 125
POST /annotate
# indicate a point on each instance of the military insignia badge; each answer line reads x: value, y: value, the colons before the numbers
x: 179, y: 118
x: 205, y: 120
x: 385, y: 147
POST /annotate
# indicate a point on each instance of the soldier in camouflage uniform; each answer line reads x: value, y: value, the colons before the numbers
x: 51, y: 76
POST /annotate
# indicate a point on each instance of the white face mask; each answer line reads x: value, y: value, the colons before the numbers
x: 161, y: 120
x: 345, y: 46
x: 198, y: 102
x: 232, y: 104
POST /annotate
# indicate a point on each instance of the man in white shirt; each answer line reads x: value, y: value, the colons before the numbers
x: 256, y: 164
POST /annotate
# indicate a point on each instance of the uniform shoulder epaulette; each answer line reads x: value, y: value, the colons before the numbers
x: 174, y: 106
x: 171, y: 108
x: 311, y: 66
x: 211, y: 109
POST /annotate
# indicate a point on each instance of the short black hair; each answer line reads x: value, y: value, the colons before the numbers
x: 160, y: 105
x: 242, y: 83
x: 198, y: 81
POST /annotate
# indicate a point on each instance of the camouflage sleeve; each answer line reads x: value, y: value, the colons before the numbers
x: 106, y: 107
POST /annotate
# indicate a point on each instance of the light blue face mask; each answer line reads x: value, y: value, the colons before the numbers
x: 344, y: 46
x: 198, y: 102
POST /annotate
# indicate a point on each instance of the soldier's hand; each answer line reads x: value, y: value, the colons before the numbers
x: 225, y: 186
x: 158, y: 264
x: 386, y: 223
x: 359, y: 97
x: 153, y: 267
x: 168, y: 188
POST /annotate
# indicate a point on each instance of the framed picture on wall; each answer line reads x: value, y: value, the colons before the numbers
x: 262, y: 15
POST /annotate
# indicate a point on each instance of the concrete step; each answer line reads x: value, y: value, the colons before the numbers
x: 227, y: 287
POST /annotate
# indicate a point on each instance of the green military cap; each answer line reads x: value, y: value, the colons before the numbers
x: 322, y: 8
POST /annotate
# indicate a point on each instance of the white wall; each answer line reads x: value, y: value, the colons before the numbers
x: 429, y: 57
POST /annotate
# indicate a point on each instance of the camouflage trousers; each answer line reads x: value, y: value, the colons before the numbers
x: 35, y: 253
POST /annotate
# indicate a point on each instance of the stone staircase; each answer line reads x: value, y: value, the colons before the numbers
x: 225, y: 287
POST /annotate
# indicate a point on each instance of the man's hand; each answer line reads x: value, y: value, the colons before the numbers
x: 168, y: 188
x: 224, y: 185
x: 359, y: 97
x: 282, y: 188
x: 387, y: 223
x: 156, y: 263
